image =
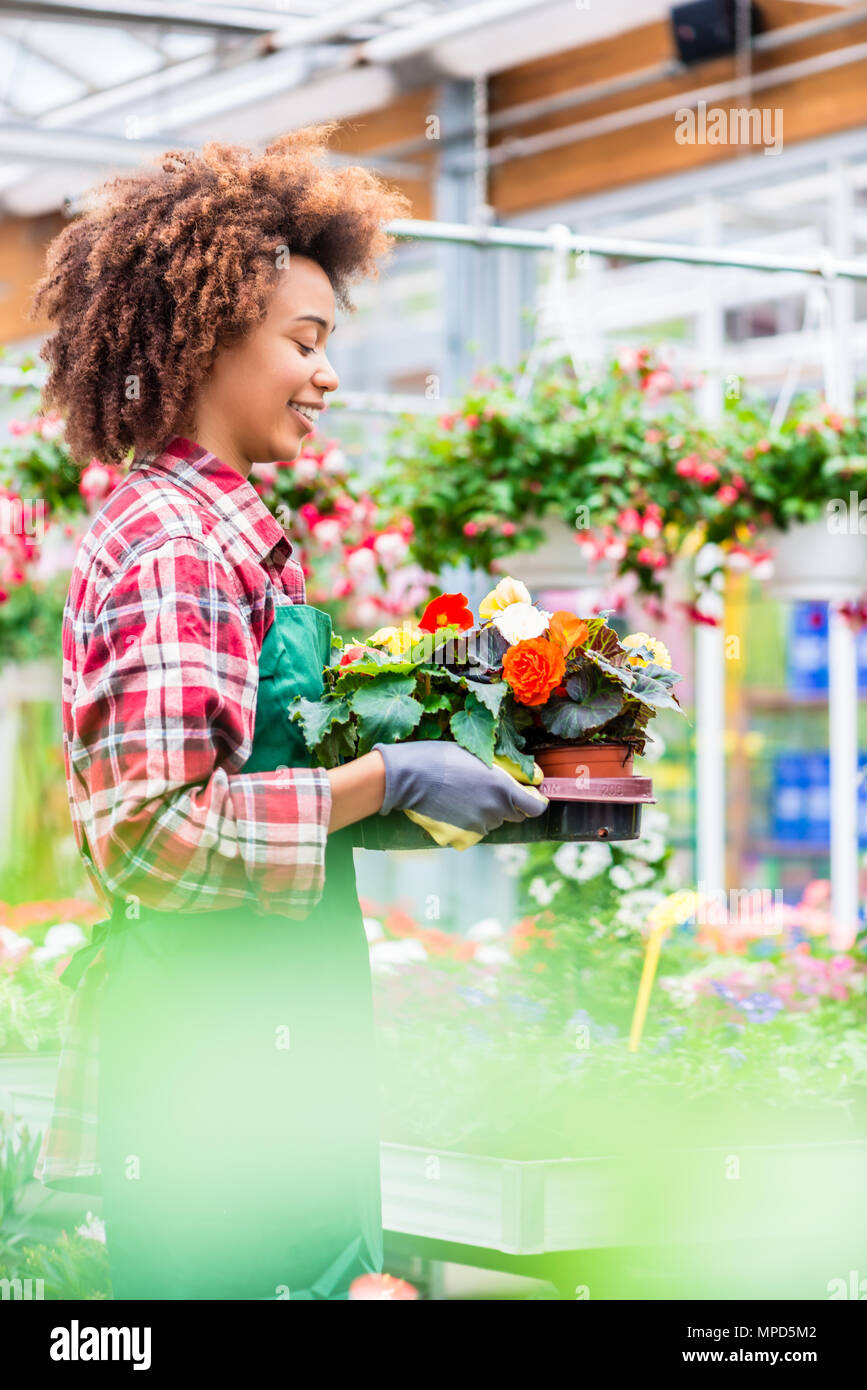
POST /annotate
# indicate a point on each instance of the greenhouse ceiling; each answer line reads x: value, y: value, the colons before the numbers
x: 90, y: 86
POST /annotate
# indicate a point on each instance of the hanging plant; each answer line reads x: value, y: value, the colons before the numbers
x: 625, y: 462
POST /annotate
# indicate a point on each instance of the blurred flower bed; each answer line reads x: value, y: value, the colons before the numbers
x: 354, y: 552
x: 514, y: 1040
x: 36, y: 942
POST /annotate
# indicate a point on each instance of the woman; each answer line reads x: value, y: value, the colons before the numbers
x: 217, y: 1084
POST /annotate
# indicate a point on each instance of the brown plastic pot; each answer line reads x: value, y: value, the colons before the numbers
x: 591, y: 760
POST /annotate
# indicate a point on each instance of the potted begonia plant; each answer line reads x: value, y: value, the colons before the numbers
x: 556, y: 700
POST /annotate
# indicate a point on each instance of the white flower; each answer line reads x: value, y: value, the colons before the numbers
x: 12, y: 945
x: 512, y: 858
x: 59, y: 941
x: 633, y: 908
x: 361, y: 562
x: 334, y: 463
x: 391, y: 547
x: 398, y: 952
x: 621, y: 877
x: 372, y: 929
x: 543, y: 892
x: 490, y: 954
x: 305, y: 471
x: 52, y: 428
x: 485, y: 930
x: 519, y: 622
x: 94, y: 1229
x: 582, y: 861
x: 327, y: 532
x: 648, y: 847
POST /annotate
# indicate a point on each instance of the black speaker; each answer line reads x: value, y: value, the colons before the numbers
x: 705, y: 29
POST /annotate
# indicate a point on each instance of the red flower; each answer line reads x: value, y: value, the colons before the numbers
x: 471, y: 421
x: 444, y: 610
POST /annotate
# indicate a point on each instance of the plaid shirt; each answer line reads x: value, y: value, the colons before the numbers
x: 173, y: 590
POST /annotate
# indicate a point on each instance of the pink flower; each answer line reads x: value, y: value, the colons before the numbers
x: 264, y: 473
x: 447, y: 422
x: 97, y: 481
x: 658, y: 383
x: 309, y: 514
x: 764, y: 446
x: 650, y: 528
x: 685, y: 467
x: 470, y: 528
x: 21, y: 426
x: 675, y: 441
x: 727, y: 495
x: 508, y: 528
x: 646, y: 556
x: 629, y: 520
x: 327, y: 532
x: 490, y: 411
x: 471, y: 421
x: 749, y: 452
x: 707, y: 473
x: 653, y: 436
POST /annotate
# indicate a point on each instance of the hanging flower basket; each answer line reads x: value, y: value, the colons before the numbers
x: 815, y: 561
x: 560, y: 562
x: 557, y: 701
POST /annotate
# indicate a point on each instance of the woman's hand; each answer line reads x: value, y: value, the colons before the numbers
x: 441, y: 780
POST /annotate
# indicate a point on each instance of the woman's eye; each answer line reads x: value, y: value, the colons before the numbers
x: 305, y: 348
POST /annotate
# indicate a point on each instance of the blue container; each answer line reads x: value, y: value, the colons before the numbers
x: 801, y: 798
x: 807, y: 650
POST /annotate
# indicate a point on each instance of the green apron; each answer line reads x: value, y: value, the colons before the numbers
x: 238, y: 1129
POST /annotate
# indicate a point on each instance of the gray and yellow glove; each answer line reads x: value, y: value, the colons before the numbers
x: 452, y: 794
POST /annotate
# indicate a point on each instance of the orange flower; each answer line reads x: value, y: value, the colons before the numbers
x: 567, y: 630
x: 532, y: 668
x: 444, y: 610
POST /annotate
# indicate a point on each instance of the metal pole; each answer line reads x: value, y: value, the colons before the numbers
x: 842, y: 658
x: 821, y: 263
x: 709, y: 641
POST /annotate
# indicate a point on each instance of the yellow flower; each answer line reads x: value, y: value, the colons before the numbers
x: 673, y: 910
x: 508, y: 591
x: 657, y: 649
x: 396, y: 640
x: 694, y: 540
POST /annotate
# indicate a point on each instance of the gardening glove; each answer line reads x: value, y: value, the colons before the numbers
x: 451, y: 793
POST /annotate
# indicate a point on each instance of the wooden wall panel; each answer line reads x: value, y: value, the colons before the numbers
x: 22, y: 261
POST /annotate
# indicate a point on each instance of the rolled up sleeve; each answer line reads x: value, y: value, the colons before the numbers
x: 162, y: 721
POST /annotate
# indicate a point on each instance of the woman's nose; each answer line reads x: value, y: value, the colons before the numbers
x: 326, y: 378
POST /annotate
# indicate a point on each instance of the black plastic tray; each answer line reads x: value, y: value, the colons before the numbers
x: 571, y: 816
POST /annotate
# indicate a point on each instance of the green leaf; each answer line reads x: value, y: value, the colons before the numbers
x: 490, y: 694
x: 317, y: 717
x: 386, y: 711
x: 473, y: 728
x: 652, y: 692
x: 566, y: 719
x: 438, y: 699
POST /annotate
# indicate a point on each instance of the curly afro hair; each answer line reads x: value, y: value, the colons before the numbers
x: 171, y: 263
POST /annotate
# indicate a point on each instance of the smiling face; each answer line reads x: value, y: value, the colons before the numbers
x: 242, y: 412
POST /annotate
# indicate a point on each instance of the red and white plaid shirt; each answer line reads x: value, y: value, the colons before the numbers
x: 173, y: 590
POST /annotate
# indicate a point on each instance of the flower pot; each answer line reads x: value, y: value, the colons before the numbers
x: 580, y: 809
x: 586, y: 760
x: 814, y: 562
x: 558, y: 563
